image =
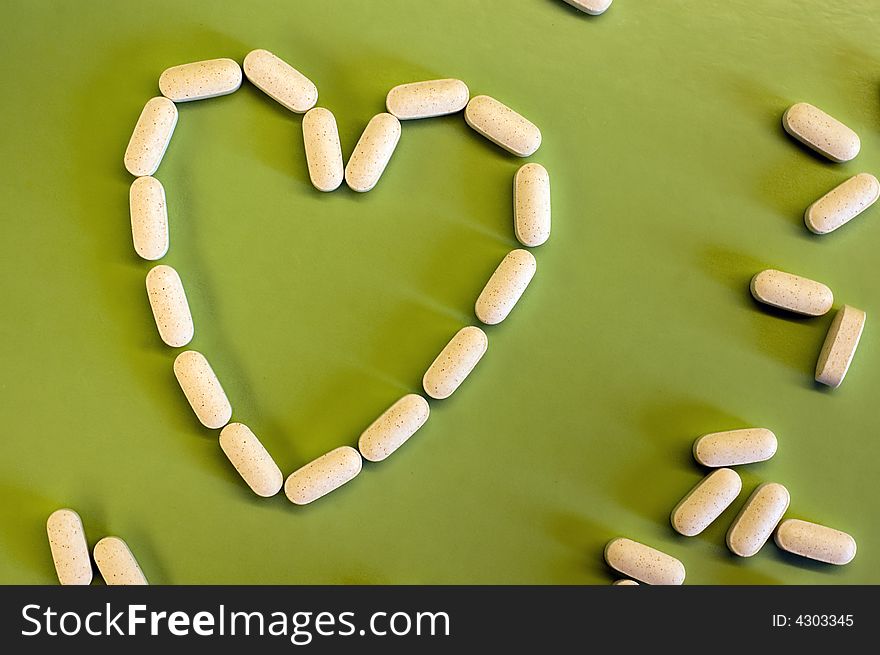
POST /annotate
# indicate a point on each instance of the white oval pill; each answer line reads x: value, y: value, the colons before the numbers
x: 202, y: 389
x: 169, y: 305
x: 70, y: 552
x: 427, y: 99
x: 151, y: 137
x: 502, y: 126
x: 792, y: 292
x: 625, y: 583
x: 815, y: 541
x: 842, y: 204
x: 505, y: 287
x: 117, y: 563
x: 531, y: 205
x: 323, y: 151
x: 705, y: 502
x: 819, y: 131
x: 735, y: 447
x: 280, y: 81
x: 321, y: 476
x: 149, y: 217
x: 252, y: 461
x: 391, y: 430
x: 372, y: 152
x: 592, y: 7
x: 643, y: 563
x: 200, y: 80
x: 840, y: 345
x: 455, y: 362
x: 758, y: 518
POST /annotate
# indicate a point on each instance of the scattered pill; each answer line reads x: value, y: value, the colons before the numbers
x: 372, y: 152
x: 117, y: 564
x: 625, y: 583
x: 531, y: 205
x: 819, y: 131
x: 643, y: 563
x: 321, y: 476
x: 70, y: 552
x: 840, y: 345
x: 391, y: 430
x: 792, y: 292
x: 149, y: 217
x: 502, y: 126
x: 815, y: 541
x: 505, y: 287
x: 200, y: 80
x: 758, y: 518
x: 705, y: 502
x: 280, y: 81
x: 323, y: 151
x: 202, y: 389
x: 842, y: 204
x: 151, y: 137
x: 735, y: 447
x: 592, y: 7
x: 169, y: 305
x: 455, y: 362
x: 252, y: 461
x: 427, y: 99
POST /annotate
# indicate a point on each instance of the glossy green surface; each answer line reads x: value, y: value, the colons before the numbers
x: 673, y: 183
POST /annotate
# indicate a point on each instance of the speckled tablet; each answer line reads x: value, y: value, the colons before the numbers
x: 321, y: 476
x: 842, y: 204
x: 202, y: 389
x: 372, y: 152
x: 455, y: 362
x: 706, y: 501
x: 592, y: 7
x: 427, y: 99
x: 643, y: 563
x: 70, y: 552
x: 505, y: 287
x: 757, y: 519
x: 791, y: 292
x: 531, y: 205
x: 840, y: 345
x: 200, y: 80
x: 625, y: 583
x: 151, y: 136
x: 117, y: 563
x: 392, y: 429
x: 819, y: 131
x: 252, y: 461
x: 502, y: 126
x: 280, y: 81
x: 149, y: 217
x: 734, y: 447
x: 323, y: 150
x: 169, y: 305
x: 815, y: 541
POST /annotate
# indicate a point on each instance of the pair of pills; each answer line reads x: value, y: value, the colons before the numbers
x: 70, y: 553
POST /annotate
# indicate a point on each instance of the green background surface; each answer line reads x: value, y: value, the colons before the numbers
x: 673, y: 183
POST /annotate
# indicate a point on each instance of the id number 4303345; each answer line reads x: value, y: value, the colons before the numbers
x: 814, y: 621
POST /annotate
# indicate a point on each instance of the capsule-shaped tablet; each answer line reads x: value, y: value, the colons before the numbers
x: 252, y: 461
x: 705, y: 502
x: 502, y: 126
x: 200, y: 80
x: 280, y: 81
x: 505, y: 287
x: 323, y: 151
x: 372, y: 152
x: 202, y: 389
x: 169, y: 305
x: 531, y: 205
x: 149, y: 217
x: 840, y: 345
x: 643, y: 563
x: 151, y: 137
x: 391, y: 430
x: 427, y: 99
x: 758, y: 518
x: 455, y: 362
x: 735, y: 447
x: 592, y: 7
x: 70, y: 552
x: 625, y: 583
x: 117, y: 563
x: 842, y: 204
x: 321, y: 476
x: 792, y: 292
x: 815, y: 541
x: 819, y: 131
